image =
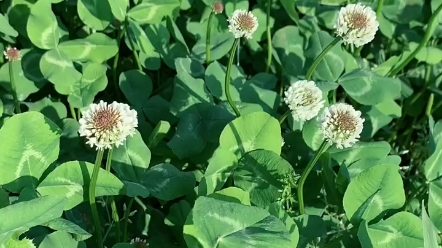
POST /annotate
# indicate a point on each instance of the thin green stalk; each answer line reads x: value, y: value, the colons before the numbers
x: 78, y: 114
x: 92, y: 202
x: 209, y: 28
x: 132, y: 47
x: 284, y: 116
x: 73, y: 112
x: 116, y: 58
x: 358, y: 51
x: 430, y: 28
x: 269, y: 37
x: 379, y: 8
x: 321, y: 56
x: 227, y: 80
x: 305, y: 173
x: 126, y: 219
x: 115, y: 216
x: 14, y: 89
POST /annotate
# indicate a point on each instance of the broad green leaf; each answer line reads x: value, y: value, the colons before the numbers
x: 58, y: 69
x: 61, y: 224
x: 60, y: 239
x: 17, y: 243
x: 153, y: 11
x: 277, y: 210
x: 435, y: 202
x: 262, y: 174
x: 432, y: 164
x: 400, y: 230
x: 29, y: 60
x: 232, y: 194
x: 92, y: 82
x: 96, y: 14
x: 157, y: 109
x: 220, y: 45
x: 97, y: 48
x: 189, y: 131
x: 25, y: 85
x: 159, y: 132
x: 71, y: 180
x: 219, y: 224
x: 215, y: 77
x: 24, y: 215
x: 289, y: 49
x: 374, y: 191
x: 30, y: 143
x: 231, y: 5
x: 220, y: 167
x: 289, y: 6
x: 187, y: 92
x: 189, y: 66
x: 137, y: 34
x: 429, y: 230
x: 333, y: 63
x: 175, y: 31
x: 166, y: 182
x: 429, y: 54
x: 360, y: 150
x: 369, y: 88
x: 50, y: 108
x: 6, y: 28
x: 136, y: 86
x: 42, y: 27
x: 119, y: 8
x: 311, y: 134
x: 4, y: 198
x: 250, y: 132
x: 311, y: 229
x: 355, y: 168
x: 130, y: 162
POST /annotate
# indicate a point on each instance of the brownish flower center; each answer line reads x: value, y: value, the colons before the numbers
x: 358, y: 20
x: 245, y: 21
x: 307, y: 98
x: 106, y: 119
x: 140, y: 244
x: 13, y: 54
x: 345, y: 121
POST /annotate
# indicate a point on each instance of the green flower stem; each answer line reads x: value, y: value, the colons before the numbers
x: 305, y: 173
x: 284, y: 116
x: 379, y: 8
x: 227, y: 80
x: 92, y: 202
x: 209, y: 28
x: 320, y: 57
x: 115, y: 216
x: 132, y: 47
x: 14, y: 89
x: 73, y: 112
x: 115, y: 64
x: 430, y: 28
x: 269, y: 37
x: 126, y: 218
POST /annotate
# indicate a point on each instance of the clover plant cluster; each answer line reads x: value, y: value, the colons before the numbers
x: 220, y: 124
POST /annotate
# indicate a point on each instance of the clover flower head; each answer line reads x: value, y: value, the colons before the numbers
x: 356, y: 24
x: 341, y: 125
x: 106, y: 125
x: 12, y: 54
x: 217, y: 7
x: 242, y: 23
x: 304, y: 100
x: 139, y: 243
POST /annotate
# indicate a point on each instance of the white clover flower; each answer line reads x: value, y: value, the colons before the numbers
x: 356, y: 24
x: 139, y: 243
x: 12, y: 54
x: 304, y: 99
x: 341, y: 124
x: 107, y: 125
x: 242, y: 23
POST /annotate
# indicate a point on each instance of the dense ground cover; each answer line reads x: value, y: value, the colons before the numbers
x: 203, y: 124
